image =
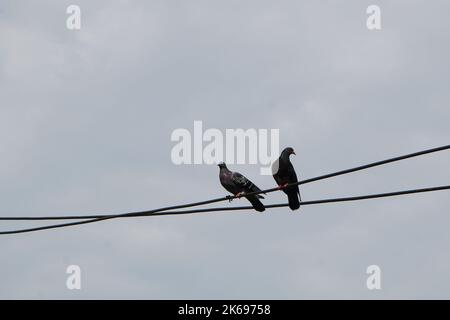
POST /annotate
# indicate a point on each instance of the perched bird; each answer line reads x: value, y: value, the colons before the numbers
x: 239, y: 185
x: 284, y: 174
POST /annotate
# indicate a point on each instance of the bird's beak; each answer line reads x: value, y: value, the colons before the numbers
x: 293, y: 152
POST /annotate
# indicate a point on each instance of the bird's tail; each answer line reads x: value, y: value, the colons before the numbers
x: 294, y: 200
x: 258, y: 205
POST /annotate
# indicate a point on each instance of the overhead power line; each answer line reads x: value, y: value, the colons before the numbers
x: 181, y: 212
x: 269, y: 206
x: 195, y: 204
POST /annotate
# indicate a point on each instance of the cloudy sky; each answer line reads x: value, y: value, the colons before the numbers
x: 86, y: 118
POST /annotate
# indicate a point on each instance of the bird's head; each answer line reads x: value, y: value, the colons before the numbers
x: 222, y: 165
x: 288, y: 151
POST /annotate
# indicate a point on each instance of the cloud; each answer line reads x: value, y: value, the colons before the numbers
x: 85, y: 125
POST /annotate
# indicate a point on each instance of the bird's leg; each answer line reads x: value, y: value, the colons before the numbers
x: 282, y: 186
x: 240, y: 194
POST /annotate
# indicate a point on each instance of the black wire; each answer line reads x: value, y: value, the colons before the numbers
x: 280, y: 205
x: 326, y: 176
x: 359, y: 168
x: 303, y: 203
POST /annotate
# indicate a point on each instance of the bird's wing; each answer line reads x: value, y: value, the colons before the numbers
x: 244, y: 183
x: 293, y: 177
x: 292, y: 174
x: 240, y: 180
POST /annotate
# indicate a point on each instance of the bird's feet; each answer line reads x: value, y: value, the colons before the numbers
x: 282, y: 186
x: 229, y: 198
x: 240, y: 195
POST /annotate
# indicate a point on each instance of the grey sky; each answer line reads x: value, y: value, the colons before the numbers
x: 85, y: 124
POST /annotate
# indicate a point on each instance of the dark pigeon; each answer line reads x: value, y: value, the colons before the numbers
x: 239, y: 185
x: 284, y: 174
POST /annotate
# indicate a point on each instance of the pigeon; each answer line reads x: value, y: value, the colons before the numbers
x: 284, y: 174
x: 239, y: 185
